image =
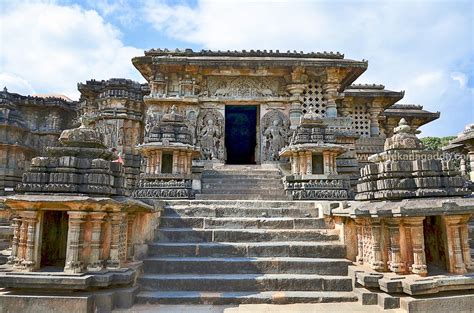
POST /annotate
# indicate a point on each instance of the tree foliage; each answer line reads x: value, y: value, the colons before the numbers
x: 436, y: 143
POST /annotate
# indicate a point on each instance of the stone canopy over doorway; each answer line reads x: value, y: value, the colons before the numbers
x: 241, y: 134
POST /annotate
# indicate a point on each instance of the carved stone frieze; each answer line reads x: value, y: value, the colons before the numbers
x: 244, y: 87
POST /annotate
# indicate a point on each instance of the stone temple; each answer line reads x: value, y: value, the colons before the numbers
x: 228, y: 178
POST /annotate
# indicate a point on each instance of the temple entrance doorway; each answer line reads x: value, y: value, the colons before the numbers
x: 241, y: 133
x: 54, y: 239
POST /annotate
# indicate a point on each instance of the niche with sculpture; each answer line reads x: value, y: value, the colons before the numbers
x: 210, y: 134
x: 275, y: 133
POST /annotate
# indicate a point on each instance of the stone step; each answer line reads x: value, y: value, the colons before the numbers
x: 243, y: 174
x: 243, y: 185
x: 242, y: 235
x: 240, y: 265
x: 240, y: 212
x: 244, y: 192
x: 306, y: 249
x: 244, y: 282
x: 239, y: 205
x: 275, y: 297
x: 240, y: 197
x: 232, y: 180
x: 243, y: 222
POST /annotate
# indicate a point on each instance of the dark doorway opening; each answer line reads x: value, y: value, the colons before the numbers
x: 240, y: 133
x: 167, y: 163
x: 54, y: 238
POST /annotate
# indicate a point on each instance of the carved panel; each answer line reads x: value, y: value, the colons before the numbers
x: 275, y: 133
x: 245, y: 87
x: 210, y: 134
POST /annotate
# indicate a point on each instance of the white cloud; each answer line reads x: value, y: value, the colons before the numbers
x: 427, y: 79
x: 461, y: 78
x: 49, y: 48
x: 16, y: 84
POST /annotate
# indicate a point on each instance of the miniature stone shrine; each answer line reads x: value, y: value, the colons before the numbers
x: 429, y: 225
x: 168, y: 153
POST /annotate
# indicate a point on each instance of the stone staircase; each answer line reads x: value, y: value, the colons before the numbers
x: 242, y: 182
x: 229, y: 252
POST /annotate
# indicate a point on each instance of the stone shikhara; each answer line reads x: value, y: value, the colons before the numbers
x: 229, y: 177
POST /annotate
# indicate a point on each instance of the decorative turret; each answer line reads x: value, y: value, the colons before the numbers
x: 312, y: 152
x: 169, y: 153
x: 82, y: 165
x: 405, y: 170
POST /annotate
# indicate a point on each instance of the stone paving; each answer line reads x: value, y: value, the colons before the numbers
x: 260, y: 308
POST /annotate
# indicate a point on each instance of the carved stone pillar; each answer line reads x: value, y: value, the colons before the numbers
x: 376, y: 263
x: 152, y: 159
x: 187, y: 163
x: 415, y: 227
x: 295, y: 90
x: 75, y: 242
x: 466, y: 249
x: 326, y: 162
x: 302, y: 158
x: 130, y: 237
x: 471, y: 163
x: 462, y: 167
x: 16, y: 222
x: 158, y: 155
x: 182, y: 162
x: 332, y: 158
x: 22, y: 242
x: 295, y: 164
x: 30, y: 261
x: 148, y: 164
x: 360, y: 240
x: 334, y: 163
x: 395, y: 261
x: 175, y: 161
x: 95, y: 260
x: 331, y: 87
x: 309, y: 163
x: 454, y: 243
x: 114, y: 258
x: 374, y: 112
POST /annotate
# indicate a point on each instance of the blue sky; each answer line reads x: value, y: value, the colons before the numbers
x: 423, y: 47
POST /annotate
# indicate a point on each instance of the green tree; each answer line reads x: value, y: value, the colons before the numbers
x: 436, y: 143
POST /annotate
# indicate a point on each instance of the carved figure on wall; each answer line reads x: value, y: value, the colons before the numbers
x: 210, y: 135
x: 275, y: 140
x: 191, y: 123
x: 275, y: 133
x: 152, y: 118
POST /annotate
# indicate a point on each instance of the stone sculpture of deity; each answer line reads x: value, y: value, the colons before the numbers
x: 210, y: 139
x: 275, y: 138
